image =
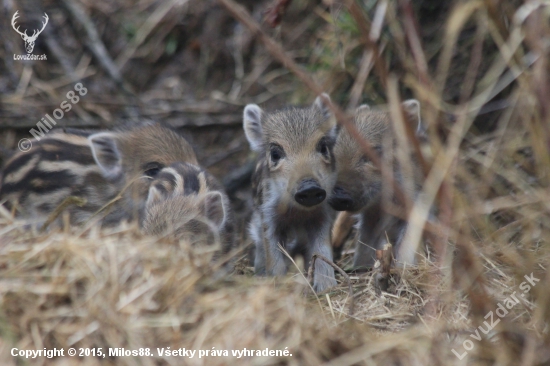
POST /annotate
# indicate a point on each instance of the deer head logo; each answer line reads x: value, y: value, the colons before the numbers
x: 29, y: 40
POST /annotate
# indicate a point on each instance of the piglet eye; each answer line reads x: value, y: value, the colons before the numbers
x: 323, y: 148
x: 276, y: 153
x: 152, y: 169
x: 365, y: 159
x: 152, y: 172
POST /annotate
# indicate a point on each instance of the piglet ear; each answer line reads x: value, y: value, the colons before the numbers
x: 322, y: 102
x: 252, y: 124
x: 214, y: 208
x: 106, y: 154
x: 411, y: 107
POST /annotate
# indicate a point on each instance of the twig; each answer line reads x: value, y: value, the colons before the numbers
x: 367, y: 61
x: 54, y: 83
x: 283, y: 250
x: 411, y: 32
x: 399, y: 117
x: 96, y: 45
x: 363, y: 24
x: 311, y: 273
x: 54, y: 95
x: 69, y: 201
x: 109, y: 205
x: 144, y: 31
x: 274, y: 14
x: 360, y: 80
x: 60, y: 54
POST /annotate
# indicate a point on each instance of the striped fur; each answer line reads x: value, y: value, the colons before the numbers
x: 186, y: 202
x: 95, y: 166
x: 295, y: 156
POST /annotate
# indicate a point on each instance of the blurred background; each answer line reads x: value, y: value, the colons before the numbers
x: 193, y: 66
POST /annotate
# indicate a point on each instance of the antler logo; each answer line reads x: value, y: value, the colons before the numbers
x: 29, y: 40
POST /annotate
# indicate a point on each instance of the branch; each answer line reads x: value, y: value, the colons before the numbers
x: 96, y: 44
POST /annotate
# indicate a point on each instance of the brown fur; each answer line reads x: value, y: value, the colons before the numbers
x: 93, y: 166
x: 359, y: 188
x: 295, y: 156
x: 186, y: 202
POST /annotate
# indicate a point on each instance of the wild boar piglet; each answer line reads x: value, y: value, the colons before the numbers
x: 360, y: 188
x: 93, y: 166
x: 294, y: 174
x: 186, y: 202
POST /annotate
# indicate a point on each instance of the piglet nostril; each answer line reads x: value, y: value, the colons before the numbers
x: 341, y: 204
x: 341, y: 200
x: 310, y: 194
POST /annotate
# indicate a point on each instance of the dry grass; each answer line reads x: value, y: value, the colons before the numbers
x: 116, y: 289
x: 113, y: 289
x: 480, y: 72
